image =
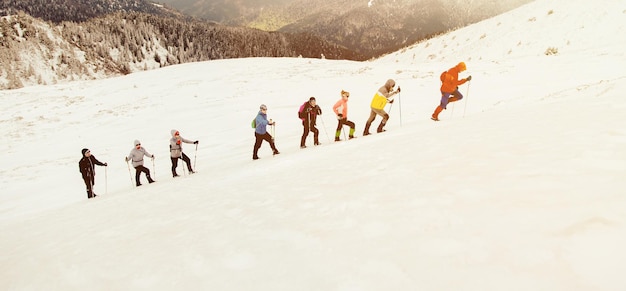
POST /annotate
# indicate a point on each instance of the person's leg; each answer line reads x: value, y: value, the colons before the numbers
x: 352, y: 128
x: 442, y: 105
x: 267, y: 137
x: 338, y: 131
x: 147, y: 172
x: 137, y: 173
x: 89, y: 186
x: 366, y: 131
x: 257, y: 144
x: 383, y: 122
x: 305, y: 133
x: 174, y: 165
x: 316, y: 134
x: 188, y: 162
x: 456, y: 96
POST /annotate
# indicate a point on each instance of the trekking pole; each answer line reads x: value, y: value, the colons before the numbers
x: 153, y: 168
x: 466, y: 96
x: 183, y: 163
x: 106, y: 180
x: 324, y: 125
x: 400, y: 107
x: 195, y: 155
x: 130, y: 175
x: 344, y: 133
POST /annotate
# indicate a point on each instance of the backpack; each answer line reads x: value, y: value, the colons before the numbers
x: 253, y: 123
x: 300, y: 115
x: 443, y: 76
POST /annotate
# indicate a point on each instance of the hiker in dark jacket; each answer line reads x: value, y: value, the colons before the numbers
x: 309, y: 114
x: 86, y: 166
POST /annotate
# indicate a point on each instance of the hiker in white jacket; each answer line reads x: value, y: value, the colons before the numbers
x: 176, y: 151
x: 136, y: 156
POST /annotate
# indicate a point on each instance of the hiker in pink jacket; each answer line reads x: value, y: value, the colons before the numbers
x: 341, y: 110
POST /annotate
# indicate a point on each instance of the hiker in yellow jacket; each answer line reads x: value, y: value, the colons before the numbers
x: 384, y: 95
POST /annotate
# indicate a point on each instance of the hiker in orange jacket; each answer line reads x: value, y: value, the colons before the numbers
x: 450, y: 87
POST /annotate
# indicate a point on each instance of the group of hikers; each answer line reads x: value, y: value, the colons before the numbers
x: 88, y: 162
x: 308, y: 113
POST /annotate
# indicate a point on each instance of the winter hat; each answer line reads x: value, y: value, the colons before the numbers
x: 311, y: 99
x: 461, y: 66
x: 173, y: 132
x: 137, y: 142
x: 84, y: 151
x: 390, y: 83
x: 263, y: 107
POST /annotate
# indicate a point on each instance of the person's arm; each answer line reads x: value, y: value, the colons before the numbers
x: 95, y: 161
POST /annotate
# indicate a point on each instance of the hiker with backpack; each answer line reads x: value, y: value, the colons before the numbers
x: 382, y: 96
x: 341, y: 110
x: 308, y: 112
x: 260, y: 124
x: 136, y: 156
x: 450, y: 87
x: 86, y: 165
x: 176, y: 151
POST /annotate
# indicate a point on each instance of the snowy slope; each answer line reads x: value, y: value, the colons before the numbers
x: 519, y: 187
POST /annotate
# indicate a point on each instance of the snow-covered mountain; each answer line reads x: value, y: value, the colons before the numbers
x: 519, y: 187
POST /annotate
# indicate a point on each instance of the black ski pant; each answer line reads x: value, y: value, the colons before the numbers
x: 183, y: 157
x: 138, y: 170
x: 309, y: 128
x: 259, y: 141
x: 89, y: 182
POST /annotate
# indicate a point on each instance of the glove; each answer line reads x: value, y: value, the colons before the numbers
x: 318, y: 110
x: 178, y: 142
x: 398, y: 89
x: 152, y: 157
x: 469, y: 78
x: 391, y: 101
x: 339, y: 116
x: 106, y: 165
x: 308, y: 109
x: 126, y: 159
x: 195, y: 142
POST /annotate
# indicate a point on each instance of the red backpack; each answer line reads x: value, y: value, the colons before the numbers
x: 300, y: 115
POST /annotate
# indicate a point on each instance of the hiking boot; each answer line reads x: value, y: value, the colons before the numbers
x: 351, y: 137
x: 255, y: 158
x: 317, y: 143
x: 366, y: 133
x: 276, y: 152
x: 175, y: 175
x: 337, y: 139
x: 303, y: 147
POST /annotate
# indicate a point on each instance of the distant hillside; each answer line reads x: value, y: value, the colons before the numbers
x: 80, y: 10
x: 36, y: 52
x: 371, y: 28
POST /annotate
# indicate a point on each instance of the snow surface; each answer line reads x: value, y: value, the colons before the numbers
x: 521, y: 186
